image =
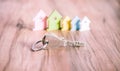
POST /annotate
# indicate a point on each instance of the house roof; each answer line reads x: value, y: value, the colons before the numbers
x: 40, y: 15
x: 55, y: 14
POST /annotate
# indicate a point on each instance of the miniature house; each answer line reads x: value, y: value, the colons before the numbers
x: 40, y: 21
x: 66, y: 24
x: 85, y: 24
x: 75, y: 24
x: 54, y: 21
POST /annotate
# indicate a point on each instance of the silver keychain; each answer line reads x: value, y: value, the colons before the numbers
x: 53, y: 40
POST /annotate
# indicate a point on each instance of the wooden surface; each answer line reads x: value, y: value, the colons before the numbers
x: 102, y: 50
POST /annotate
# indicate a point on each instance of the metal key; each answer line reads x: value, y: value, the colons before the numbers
x: 52, y: 40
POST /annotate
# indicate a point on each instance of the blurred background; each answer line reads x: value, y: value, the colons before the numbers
x: 99, y: 11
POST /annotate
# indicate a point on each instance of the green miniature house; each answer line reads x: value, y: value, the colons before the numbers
x: 54, y: 21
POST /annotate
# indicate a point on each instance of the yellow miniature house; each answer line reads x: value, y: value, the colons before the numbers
x: 66, y: 24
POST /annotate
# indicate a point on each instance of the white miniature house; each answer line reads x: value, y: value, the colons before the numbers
x: 85, y: 24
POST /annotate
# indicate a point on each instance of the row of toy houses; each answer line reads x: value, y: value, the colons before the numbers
x: 55, y: 21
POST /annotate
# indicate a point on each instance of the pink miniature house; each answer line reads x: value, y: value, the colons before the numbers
x: 40, y: 21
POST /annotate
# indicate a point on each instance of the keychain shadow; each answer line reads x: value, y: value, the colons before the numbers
x: 59, y: 49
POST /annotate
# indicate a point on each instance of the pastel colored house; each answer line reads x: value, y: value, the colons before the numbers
x: 40, y: 21
x: 66, y: 24
x: 85, y: 24
x: 54, y: 21
x: 75, y: 24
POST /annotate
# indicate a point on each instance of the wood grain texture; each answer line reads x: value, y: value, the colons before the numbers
x: 102, y: 50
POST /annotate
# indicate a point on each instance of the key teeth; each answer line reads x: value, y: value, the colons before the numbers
x: 78, y: 44
x: 74, y: 44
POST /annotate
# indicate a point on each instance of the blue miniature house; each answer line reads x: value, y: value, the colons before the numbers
x: 75, y: 24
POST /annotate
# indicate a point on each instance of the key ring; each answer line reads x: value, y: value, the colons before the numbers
x: 44, y: 44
